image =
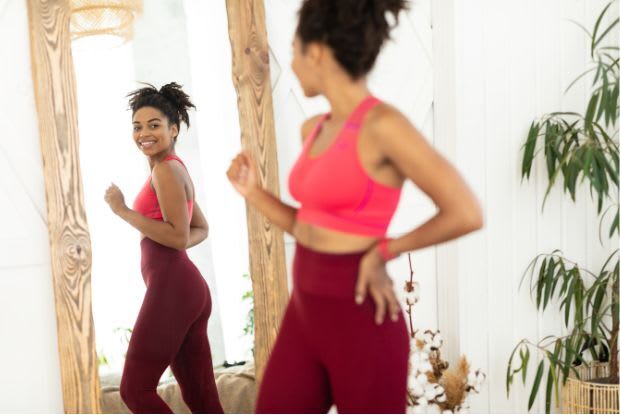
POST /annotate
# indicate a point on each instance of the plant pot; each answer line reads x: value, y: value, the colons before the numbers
x: 586, y: 396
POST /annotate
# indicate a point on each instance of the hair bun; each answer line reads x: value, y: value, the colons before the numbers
x: 392, y: 6
x: 355, y: 30
x: 174, y: 93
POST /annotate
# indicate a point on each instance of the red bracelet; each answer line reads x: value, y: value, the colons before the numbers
x: 382, y: 246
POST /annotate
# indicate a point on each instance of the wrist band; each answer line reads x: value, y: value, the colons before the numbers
x: 382, y: 247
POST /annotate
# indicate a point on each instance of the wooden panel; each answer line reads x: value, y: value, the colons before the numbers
x: 70, y: 250
x: 251, y: 77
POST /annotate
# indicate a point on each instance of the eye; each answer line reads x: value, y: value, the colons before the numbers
x: 136, y: 129
x: 154, y: 126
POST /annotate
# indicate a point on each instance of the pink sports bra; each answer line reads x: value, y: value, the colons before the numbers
x: 333, y: 188
x: 146, y: 202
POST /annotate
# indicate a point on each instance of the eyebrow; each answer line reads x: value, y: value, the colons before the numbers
x: 152, y: 119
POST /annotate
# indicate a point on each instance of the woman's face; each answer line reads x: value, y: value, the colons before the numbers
x: 305, y: 65
x: 152, y: 132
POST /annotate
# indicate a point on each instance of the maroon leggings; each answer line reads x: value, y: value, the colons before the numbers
x: 329, y: 350
x: 171, y: 329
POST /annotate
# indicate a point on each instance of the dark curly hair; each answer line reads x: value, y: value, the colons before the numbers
x: 354, y: 29
x: 169, y: 99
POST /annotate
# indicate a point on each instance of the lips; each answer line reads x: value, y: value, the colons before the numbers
x: 146, y: 144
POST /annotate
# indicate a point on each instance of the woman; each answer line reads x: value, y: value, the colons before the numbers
x: 171, y: 328
x: 334, y: 346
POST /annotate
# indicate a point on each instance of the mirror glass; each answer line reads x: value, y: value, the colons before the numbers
x: 183, y: 41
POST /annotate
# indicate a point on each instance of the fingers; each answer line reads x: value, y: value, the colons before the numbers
x: 382, y: 294
x: 112, y: 192
x: 386, y: 303
x: 248, y: 159
x: 380, y: 303
x: 238, y: 170
x: 109, y: 191
x: 112, y: 188
x: 360, y: 289
x: 393, y: 306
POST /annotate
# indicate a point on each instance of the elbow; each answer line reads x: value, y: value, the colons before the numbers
x: 181, y: 241
x: 473, y: 219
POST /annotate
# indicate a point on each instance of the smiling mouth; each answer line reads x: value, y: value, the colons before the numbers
x: 147, y: 144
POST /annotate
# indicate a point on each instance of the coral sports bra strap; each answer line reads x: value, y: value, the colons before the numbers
x: 356, y: 118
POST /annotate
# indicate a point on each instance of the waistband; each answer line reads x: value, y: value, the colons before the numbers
x: 325, y: 274
x: 158, y: 252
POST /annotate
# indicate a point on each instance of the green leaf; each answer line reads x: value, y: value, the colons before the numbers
x: 569, y: 298
x: 568, y: 358
x: 602, y: 36
x: 582, y: 27
x: 548, y: 281
x: 530, y: 146
x: 591, y: 109
x: 613, y: 104
x: 565, y: 279
x: 594, y: 37
x: 525, y: 362
x: 578, y: 297
x: 549, y: 390
x: 578, y: 78
x: 610, y: 170
x: 550, y: 151
x: 587, y: 163
x: 601, y: 292
x: 615, y: 225
x: 539, y: 373
x: 602, y: 106
x: 540, y: 282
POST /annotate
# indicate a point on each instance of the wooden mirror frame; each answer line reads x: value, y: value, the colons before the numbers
x: 70, y: 248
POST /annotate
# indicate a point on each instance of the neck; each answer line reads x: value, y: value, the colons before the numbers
x: 159, y: 157
x: 344, y: 95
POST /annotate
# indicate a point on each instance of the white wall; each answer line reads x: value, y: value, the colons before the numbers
x: 30, y: 371
x: 512, y: 62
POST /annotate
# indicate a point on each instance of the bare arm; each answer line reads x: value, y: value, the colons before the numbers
x: 174, y: 231
x: 458, y: 210
x: 242, y: 174
x: 198, y: 227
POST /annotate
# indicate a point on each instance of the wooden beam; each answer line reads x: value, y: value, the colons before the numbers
x: 70, y: 250
x: 250, y: 73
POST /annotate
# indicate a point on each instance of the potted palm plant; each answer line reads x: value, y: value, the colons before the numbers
x: 582, y: 365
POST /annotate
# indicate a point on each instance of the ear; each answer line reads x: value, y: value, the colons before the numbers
x: 174, y: 130
x: 315, y: 52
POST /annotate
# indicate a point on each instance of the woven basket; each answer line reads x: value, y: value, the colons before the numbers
x: 104, y: 17
x: 579, y: 396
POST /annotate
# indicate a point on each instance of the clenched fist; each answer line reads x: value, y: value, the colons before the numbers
x: 242, y: 174
x: 114, y: 197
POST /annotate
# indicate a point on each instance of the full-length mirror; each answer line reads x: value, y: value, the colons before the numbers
x: 186, y: 42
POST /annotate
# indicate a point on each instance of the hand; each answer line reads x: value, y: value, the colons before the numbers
x: 115, y: 199
x: 242, y: 174
x: 374, y: 280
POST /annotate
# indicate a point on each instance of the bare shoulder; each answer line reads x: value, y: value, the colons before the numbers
x: 308, y: 125
x: 385, y: 119
x: 168, y: 170
x: 390, y: 129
